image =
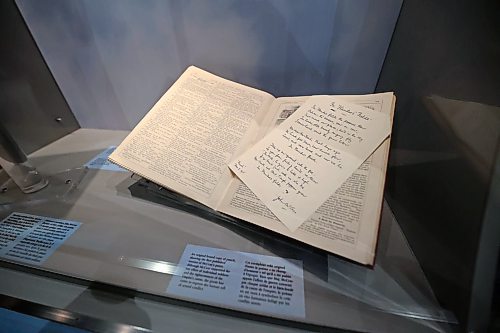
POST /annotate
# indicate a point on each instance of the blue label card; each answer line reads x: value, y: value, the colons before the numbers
x: 12, y: 321
x: 246, y: 281
x: 101, y: 161
x: 31, y: 239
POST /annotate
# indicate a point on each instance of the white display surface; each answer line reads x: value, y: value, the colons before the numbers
x: 118, y: 229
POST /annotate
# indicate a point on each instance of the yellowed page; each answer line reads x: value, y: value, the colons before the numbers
x: 186, y: 140
x: 347, y: 223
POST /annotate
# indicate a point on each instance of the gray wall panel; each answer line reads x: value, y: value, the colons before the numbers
x: 30, y: 100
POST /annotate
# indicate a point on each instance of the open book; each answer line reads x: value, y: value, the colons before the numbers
x: 202, y: 122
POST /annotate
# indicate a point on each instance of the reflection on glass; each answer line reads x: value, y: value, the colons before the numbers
x: 462, y: 121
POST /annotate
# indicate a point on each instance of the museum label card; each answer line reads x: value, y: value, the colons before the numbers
x: 240, y: 280
x: 32, y: 239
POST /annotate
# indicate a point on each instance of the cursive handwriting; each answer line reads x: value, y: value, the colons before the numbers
x: 335, y: 124
x: 311, y: 149
x: 240, y: 166
x: 284, y: 171
x: 285, y: 205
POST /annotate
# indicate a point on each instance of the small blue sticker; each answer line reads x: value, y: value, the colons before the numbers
x: 101, y: 161
x: 247, y: 281
x: 32, y: 239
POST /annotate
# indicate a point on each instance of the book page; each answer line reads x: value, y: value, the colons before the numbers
x: 295, y: 168
x: 186, y: 140
x: 347, y: 222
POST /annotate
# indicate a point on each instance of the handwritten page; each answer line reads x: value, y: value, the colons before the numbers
x: 295, y: 168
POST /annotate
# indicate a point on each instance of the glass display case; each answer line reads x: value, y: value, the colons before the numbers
x: 102, y: 249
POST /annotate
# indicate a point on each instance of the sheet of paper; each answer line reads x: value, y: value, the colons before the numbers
x: 101, y: 162
x: 32, y: 239
x: 295, y: 168
x: 240, y: 280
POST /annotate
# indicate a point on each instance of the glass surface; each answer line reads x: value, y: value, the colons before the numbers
x: 24, y: 175
x: 436, y: 256
x: 133, y: 234
x: 442, y: 181
x: 14, y: 162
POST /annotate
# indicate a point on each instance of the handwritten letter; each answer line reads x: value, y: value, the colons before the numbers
x: 302, y: 162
